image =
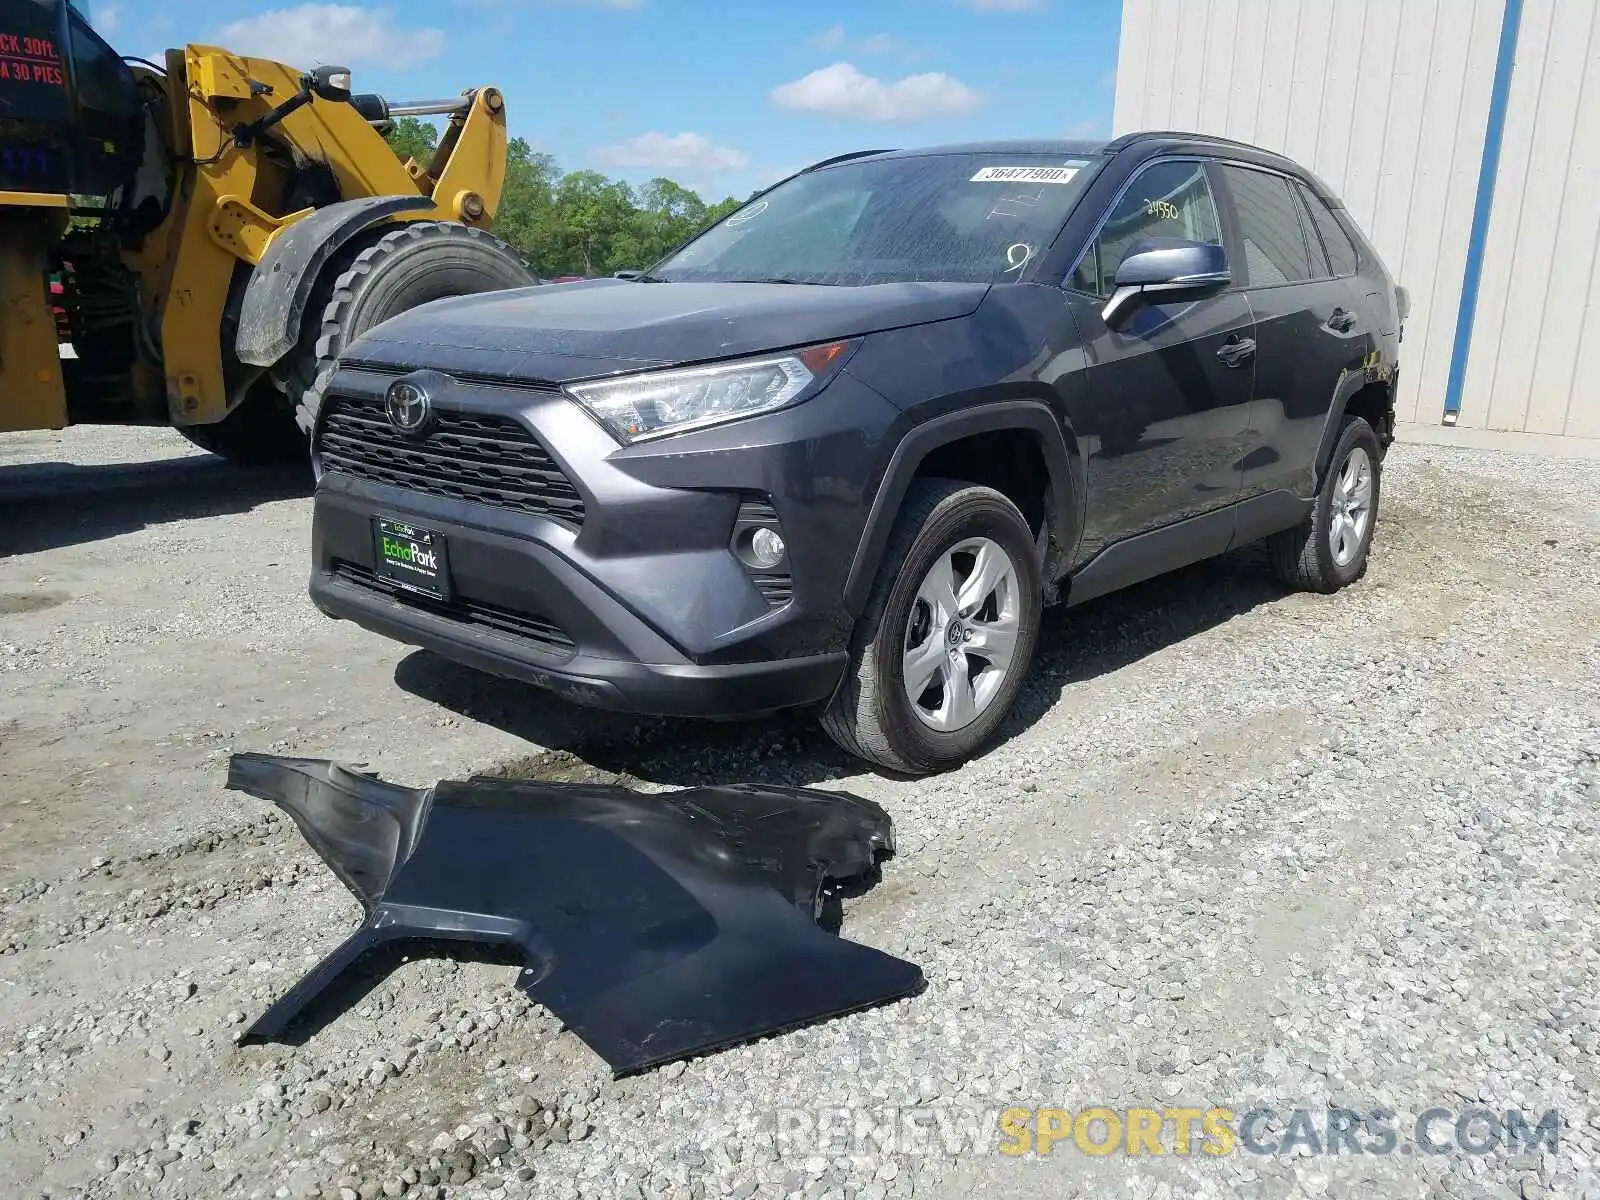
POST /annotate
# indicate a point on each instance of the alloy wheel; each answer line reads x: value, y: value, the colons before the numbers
x: 1351, y: 507
x: 961, y: 634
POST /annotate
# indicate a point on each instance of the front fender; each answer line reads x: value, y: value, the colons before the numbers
x: 275, y: 301
x: 1033, y: 416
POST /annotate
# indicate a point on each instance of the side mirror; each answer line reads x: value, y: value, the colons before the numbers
x: 331, y: 84
x: 1160, y: 270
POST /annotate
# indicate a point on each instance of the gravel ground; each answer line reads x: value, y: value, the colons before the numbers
x: 1238, y: 848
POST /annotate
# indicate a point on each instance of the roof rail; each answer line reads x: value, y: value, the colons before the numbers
x: 839, y: 158
x: 1145, y: 135
x: 816, y: 166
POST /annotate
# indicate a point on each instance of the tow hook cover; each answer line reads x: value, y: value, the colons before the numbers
x: 655, y: 926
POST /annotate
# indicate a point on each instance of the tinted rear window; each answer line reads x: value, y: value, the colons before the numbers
x: 1341, y: 250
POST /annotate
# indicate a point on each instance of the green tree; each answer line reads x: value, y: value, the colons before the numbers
x: 580, y: 222
x: 415, y: 138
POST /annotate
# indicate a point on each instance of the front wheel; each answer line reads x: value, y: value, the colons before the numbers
x: 948, y: 634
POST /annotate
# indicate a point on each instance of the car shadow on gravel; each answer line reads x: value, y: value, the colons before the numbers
x: 586, y: 745
x: 53, y: 505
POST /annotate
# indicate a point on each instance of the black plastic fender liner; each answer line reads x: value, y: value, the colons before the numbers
x: 275, y: 301
x: 656, y: 926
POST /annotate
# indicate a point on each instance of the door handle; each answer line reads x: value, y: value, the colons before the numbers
x: 1341, y: 320
x: 1237, y: 351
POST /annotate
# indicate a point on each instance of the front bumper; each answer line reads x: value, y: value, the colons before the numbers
x: 669, y: 685
x: 638, y: 603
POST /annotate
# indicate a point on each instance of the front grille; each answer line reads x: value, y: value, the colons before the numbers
x: 482, y: 457
x: 469, y: 612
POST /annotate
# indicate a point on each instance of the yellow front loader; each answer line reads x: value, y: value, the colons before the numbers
x: 193, y: 243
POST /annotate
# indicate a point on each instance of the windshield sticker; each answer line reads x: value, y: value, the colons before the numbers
x: 749, y: 214
x: 1014, y: 206
x: 1025, y: 175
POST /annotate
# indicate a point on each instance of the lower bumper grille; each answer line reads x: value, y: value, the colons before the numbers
x: 469, y: 612
x: 777, y: 589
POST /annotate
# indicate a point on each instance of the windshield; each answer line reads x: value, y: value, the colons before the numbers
x: 944, y: 218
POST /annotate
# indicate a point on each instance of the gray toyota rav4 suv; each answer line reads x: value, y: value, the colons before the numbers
x: 840, y: 450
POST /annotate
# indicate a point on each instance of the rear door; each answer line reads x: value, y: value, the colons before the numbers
x: 1170, y: 389
x: 1309, y: 326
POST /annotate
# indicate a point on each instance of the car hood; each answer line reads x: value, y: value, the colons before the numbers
x: 559, y: 333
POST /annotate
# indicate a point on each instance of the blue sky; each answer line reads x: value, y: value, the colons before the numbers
x: 723, y: 97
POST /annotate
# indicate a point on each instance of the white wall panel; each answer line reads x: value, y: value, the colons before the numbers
x: 1479, y: 405
x: 1457, y: 102
x: 1388, y: 101
x: 1314, y: 37
x: 1571, y: 322
x: 1539, y: 257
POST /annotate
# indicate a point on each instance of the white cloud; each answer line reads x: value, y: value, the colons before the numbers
x: 1002, y: 5
x: 1089, y: 127
x: 830, y: 38
x: 880, y: 43
x: 623, y: 5
x: 836, y: 37
x: 312, y: 34
x: 671, y: 152
x: 107, y: 20
x: 843, y: 91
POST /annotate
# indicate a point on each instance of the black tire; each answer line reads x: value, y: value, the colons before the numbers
x: 381, y: 276
x: 1303, y: 557
x: 260, y: 432
x: 871, y: 716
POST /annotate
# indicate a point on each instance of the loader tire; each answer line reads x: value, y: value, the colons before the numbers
x: 260, y: 432
x: 383, y: 276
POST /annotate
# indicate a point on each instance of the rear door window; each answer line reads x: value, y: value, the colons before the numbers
x: 1167, y: 199
x: 1270, y: 233
x: 1341, y: 250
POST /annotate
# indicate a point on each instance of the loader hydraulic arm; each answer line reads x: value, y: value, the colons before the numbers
x: 226, y: 107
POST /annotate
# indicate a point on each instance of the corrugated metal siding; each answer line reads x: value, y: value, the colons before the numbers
x: 1538, y: 264
x: 1387, y: 100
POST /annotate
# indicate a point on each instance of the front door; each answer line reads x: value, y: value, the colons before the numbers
x: 1169, y: 390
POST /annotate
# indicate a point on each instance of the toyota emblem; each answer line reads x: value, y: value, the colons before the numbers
x: 408, y: 407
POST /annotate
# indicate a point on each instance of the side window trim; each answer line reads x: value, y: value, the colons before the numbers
x: 1232, y: 243
x: 1111, y: 207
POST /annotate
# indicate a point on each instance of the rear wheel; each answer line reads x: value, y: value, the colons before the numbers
x: 1329, y: 550
x: 381, y: 277
x: 948, y: 634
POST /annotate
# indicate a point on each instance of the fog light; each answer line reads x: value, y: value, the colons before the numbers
x: 766, y: 549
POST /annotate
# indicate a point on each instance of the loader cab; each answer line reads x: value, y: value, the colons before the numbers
x: 71, y: 118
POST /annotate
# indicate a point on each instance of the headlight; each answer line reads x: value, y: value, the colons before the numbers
x: 635, y: 407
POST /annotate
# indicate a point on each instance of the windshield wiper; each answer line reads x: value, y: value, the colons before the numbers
x: 779, y: 279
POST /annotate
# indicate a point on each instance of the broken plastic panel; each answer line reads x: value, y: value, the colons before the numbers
x: 655, y: 926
